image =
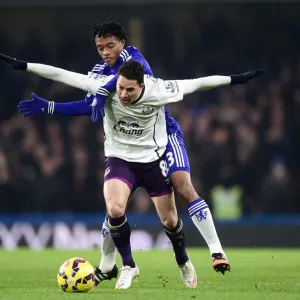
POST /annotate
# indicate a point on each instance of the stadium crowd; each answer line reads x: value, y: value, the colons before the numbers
x: 242, y: 141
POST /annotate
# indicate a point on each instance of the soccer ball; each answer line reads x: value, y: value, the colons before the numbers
x: 76, y: 275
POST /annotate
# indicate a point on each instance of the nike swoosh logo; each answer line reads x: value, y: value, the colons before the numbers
x: 194, y: 282
x: 119, y: 285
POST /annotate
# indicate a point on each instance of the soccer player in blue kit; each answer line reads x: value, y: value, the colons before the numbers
x: 110, y: 40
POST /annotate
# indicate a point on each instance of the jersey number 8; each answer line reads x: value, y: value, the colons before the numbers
x: 164, y: 168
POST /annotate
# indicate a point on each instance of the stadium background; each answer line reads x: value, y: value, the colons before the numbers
x: 243, y: 142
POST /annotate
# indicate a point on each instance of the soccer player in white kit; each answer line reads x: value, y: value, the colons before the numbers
x: 140, y: 126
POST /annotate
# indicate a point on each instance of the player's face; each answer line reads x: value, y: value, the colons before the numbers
x: 128, y: 90
x: 109, y: 49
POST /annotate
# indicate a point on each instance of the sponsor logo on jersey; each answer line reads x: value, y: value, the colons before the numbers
x: 128, y: 125
x: 147, y: 110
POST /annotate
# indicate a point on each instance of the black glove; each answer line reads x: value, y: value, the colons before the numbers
x: 13, y: 63
x: 245, y: 77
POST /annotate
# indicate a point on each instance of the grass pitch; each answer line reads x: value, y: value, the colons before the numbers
x: 256, y: 274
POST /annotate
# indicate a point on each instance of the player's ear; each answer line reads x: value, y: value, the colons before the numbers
x: 123, y: 43
x: 142, y: 85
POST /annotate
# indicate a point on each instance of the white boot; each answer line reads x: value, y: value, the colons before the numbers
x: 188, y: 274
x: 127, y: 274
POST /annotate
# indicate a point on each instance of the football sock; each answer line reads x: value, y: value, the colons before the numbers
x: 202, y: 218
x: 108, y: 249
x: 177, y: 238
x: 120, y: 232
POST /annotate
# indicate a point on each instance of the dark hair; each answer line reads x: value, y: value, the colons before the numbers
x: 132, y: 70
x: 109, y: 29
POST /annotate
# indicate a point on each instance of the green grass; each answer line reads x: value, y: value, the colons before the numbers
x: 256, y: 274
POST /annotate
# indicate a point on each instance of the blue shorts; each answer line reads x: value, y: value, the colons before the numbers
x: 176, y: 156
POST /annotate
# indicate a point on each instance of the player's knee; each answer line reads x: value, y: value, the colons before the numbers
x: 115, y: 209
x: 185, y: 189
x: 116, y: 195
x: 186, y: 192
x: 170, y: 221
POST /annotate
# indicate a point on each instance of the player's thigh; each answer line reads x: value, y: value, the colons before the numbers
x: 119, y: 182
x: 154, y: 177
x: 130, y: 196
x: 166, y: 209
x: 116, y: 194
x: 176, y: 155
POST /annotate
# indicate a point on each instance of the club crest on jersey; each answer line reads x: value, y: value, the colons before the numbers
x: 128, y: 125
x: 147, y: 110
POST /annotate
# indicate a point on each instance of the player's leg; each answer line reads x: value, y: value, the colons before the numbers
x: 115, y: 191
x: 107, y: 268
x: 179, y: 173
x: 154, y: 177
x: 166, y: 209
x: 119, y: 182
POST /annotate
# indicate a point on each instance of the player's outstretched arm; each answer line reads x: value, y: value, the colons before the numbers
x: 210, y: 82
x: 174, y: 90
x: 76, y: 80
x: 39, y: 105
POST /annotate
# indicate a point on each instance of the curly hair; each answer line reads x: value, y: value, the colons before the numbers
x: 109, y: 29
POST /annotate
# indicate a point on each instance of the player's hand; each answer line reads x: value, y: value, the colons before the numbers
x: 13, y: 63
x: 35, y: 106
x: 245, y: 77
x: 98, y: 108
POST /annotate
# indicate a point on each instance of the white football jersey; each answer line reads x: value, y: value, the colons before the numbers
x: 98, y: 81
x: 137, y: 132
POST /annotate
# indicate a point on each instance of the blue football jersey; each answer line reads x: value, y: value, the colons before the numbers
x: 132, y: 53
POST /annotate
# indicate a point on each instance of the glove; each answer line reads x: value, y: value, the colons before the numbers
x: 98, y: 104
x: 98, y: 108
x: 245, y: 77
x: 35, y: 106
x: 13, y: 63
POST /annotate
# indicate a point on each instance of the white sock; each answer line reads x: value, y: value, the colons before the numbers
x: 108, y: 249
x: 202, y: 218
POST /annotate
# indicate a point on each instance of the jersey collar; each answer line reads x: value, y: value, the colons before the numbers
x: 140, y: 96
